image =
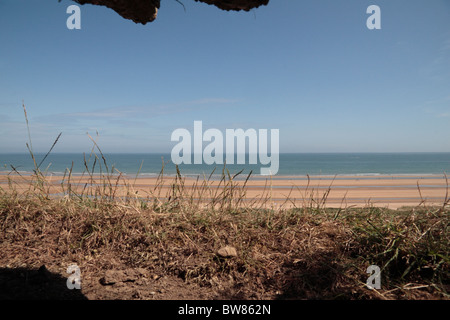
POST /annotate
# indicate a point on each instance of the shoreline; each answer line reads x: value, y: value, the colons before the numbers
x: 337, y: 176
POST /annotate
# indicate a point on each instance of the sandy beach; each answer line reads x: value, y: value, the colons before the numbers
x: 391, y: 191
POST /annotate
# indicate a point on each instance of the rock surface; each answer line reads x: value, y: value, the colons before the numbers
x: 227, y: 252
x: 143, y: 11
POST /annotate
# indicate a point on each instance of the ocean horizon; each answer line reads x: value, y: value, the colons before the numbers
x: 290, y: 164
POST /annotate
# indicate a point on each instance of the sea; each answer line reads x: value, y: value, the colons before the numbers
x: 290, y: 164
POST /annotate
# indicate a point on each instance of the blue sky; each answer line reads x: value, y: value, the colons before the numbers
x: 309, y: 68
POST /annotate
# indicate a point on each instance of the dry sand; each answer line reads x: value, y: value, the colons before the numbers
x: 391, y: 191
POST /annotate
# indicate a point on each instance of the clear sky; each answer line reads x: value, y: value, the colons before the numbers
x: 311, y: 69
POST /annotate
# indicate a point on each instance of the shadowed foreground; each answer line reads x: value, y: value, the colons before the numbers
x: 35, y: 284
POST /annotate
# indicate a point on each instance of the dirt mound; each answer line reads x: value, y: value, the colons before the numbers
x: 125, y: 251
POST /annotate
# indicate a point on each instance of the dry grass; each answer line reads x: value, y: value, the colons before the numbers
x: 283, y: 253
x: 297, y: 252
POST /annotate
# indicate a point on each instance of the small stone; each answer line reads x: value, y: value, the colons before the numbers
x: 137, y: 294
x: 117, y: 276
x: 108, y: 279
x: 227, y: 252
